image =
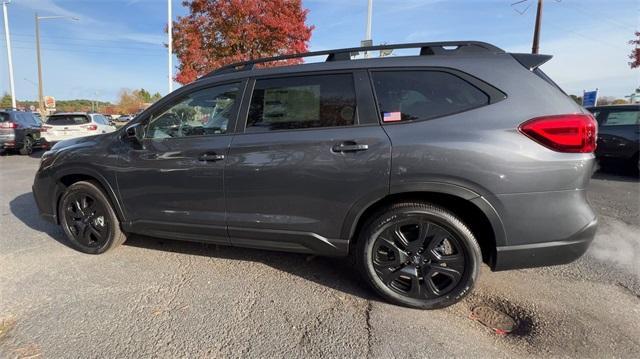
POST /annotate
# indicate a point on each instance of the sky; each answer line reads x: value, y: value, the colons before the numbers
x: 118, y: 44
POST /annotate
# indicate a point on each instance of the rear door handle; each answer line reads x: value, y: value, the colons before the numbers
x: 210, y: 157
x: 349, y: 147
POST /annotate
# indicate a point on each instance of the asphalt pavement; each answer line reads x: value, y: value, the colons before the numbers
x: 169, y: 299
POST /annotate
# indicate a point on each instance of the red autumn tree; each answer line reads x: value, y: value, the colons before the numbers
x: 220, y: 32
x: 635, y: 53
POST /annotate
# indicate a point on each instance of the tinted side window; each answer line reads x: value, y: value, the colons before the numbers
x: 621, y: 118
x: 421, y: 95
x: 203, y: 112
x: 100, y: 119
x: 302, y: 102
x: 33, y: 121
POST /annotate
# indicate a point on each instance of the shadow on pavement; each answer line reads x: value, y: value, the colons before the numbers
x: 615, y: 174
x: 616, y: 170
x: 336, y: 273
x: 37, y: 153
x: 24, y: 208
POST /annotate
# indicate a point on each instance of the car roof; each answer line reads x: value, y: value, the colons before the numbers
x: 618, y: 107
x: 340, y: 59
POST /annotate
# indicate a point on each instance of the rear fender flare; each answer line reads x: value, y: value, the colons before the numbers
x: 485, y: 205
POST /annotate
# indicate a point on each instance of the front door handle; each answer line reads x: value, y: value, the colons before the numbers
x: 210, y: 157
x: 349, y: 146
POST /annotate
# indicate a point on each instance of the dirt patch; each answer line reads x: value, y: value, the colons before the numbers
x: 525, y: 321
x: 6, y: 324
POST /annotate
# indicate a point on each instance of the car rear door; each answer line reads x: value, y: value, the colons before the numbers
x: 308, y: 154
x: 171, y: 184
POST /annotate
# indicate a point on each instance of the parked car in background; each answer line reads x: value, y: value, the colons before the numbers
x: 125, y: 118
x: 419, y: 167
x: 618, y: 133
x: 122, y: 120
x: 19, y: 131
x: 63, y: 126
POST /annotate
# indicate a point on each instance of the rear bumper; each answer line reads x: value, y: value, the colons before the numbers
x: 546, y: 253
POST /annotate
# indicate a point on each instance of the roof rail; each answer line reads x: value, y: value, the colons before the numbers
x: 426, y: 48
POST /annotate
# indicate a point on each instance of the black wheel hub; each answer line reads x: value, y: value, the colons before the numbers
x: 86, y: 220
x: 418, y: 258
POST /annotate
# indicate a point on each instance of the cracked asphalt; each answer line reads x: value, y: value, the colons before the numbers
x: 161, y: 298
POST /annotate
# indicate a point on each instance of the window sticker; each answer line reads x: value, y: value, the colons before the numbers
x: 290, y: 104
x: 391, y: 116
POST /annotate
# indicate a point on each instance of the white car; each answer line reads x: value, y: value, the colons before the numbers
x: 63, y: 126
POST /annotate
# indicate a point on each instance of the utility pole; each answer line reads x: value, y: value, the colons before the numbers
x: 536, y: 31
x: 170, y: 35
x: 9, y: 56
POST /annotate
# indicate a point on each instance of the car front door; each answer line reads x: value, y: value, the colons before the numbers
x: 309, y: 153
x: 618, y: 132
x: 171, y: 183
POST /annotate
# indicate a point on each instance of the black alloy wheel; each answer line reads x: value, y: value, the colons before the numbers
x: 88, y: 219
x: 418, y: 255
x: 418, y: 258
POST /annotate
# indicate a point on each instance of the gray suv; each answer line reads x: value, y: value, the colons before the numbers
x: 418, y: 167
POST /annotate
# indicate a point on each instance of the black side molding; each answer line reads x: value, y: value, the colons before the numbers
x: 531, y: 61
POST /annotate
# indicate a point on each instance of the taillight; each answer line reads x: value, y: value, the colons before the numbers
x: 91, y: 127
x: 45, y: 128
x: 8, y: 125
x: 563, y: 133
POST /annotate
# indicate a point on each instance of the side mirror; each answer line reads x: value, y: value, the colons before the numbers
x: 135, y: 132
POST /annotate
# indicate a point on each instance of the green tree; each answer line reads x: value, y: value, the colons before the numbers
x: 577, y: 99
x: 143, y: 95
x: 5, y: 101
x: 156, y: 96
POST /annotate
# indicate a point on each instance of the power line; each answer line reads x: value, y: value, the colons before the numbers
x: 605, y: 18
x: 84, y: 52
x: 80, y: 42
x: 99, y: 46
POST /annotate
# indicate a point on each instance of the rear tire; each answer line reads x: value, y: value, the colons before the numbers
x: 27, y: 146
x: 88, y: 219
x: 418, y: 255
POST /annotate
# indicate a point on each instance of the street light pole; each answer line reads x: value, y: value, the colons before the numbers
x: 41, y: 108
x: 170, y: 35
x: 368, y: 30
x: 9, y: 56
x: 40, y: 98
x: 536, y: 31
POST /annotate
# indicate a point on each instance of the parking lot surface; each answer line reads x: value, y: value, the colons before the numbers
x: 164, y: 298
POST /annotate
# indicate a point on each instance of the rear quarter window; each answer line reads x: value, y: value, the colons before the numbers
x: 423, y: 95
x: 621, y: 118
x: 67, y: 120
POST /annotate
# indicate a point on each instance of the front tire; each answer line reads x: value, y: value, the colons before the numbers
x: 418, y: 255
x: 88, y: 219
